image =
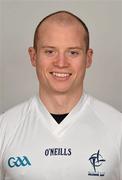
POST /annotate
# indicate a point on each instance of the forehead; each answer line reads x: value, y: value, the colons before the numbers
x: 51, y: 27
x: 61, y: 35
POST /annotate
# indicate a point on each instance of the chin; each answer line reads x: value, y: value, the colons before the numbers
x: 60, y: 90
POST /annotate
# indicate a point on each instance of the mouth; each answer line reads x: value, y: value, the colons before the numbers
x: 61, y: 75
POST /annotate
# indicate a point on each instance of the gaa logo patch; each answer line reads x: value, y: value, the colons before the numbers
x: 96, y: 161
x: 18, y: 162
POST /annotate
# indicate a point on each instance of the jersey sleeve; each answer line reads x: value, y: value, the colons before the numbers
x: 121, y: 159
x: 2, y: 143
x: 8, y: 126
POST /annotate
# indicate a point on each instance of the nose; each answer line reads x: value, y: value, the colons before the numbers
x: 61, y: 61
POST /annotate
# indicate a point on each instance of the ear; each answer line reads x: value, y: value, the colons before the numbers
x: 33, y: 56
x: 89, y: 58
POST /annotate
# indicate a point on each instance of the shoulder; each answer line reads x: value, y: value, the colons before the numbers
x: 106, y: 113
x: 11, y: 118
x: 18, y: 109
x: 104, y: 109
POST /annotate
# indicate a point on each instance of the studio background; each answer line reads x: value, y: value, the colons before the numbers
x: 18, y: 20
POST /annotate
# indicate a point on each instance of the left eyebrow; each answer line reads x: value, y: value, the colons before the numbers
x: 77, y: 48
x: 43, y: 47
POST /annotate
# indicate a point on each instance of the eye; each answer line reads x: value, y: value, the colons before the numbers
x: 73, y: 53
x: 50, y: 52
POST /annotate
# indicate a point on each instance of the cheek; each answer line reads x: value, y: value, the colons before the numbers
x: 80, y: 66
x: 42, y: 68
x: 39, y: 68
x: 43, y: 62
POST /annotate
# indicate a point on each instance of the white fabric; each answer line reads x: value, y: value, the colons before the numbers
x: 86, y: 145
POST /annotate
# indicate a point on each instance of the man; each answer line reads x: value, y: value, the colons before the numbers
x: 62, y: 133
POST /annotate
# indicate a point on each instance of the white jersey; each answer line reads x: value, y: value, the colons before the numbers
x: 86, y: 145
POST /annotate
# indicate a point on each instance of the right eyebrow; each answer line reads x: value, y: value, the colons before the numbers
x: 43, y: 47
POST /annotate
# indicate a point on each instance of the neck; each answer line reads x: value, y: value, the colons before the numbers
x: 59, y: 103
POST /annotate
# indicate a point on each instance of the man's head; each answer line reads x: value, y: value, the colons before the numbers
x: 62, y: 17
x: 61, y: 53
